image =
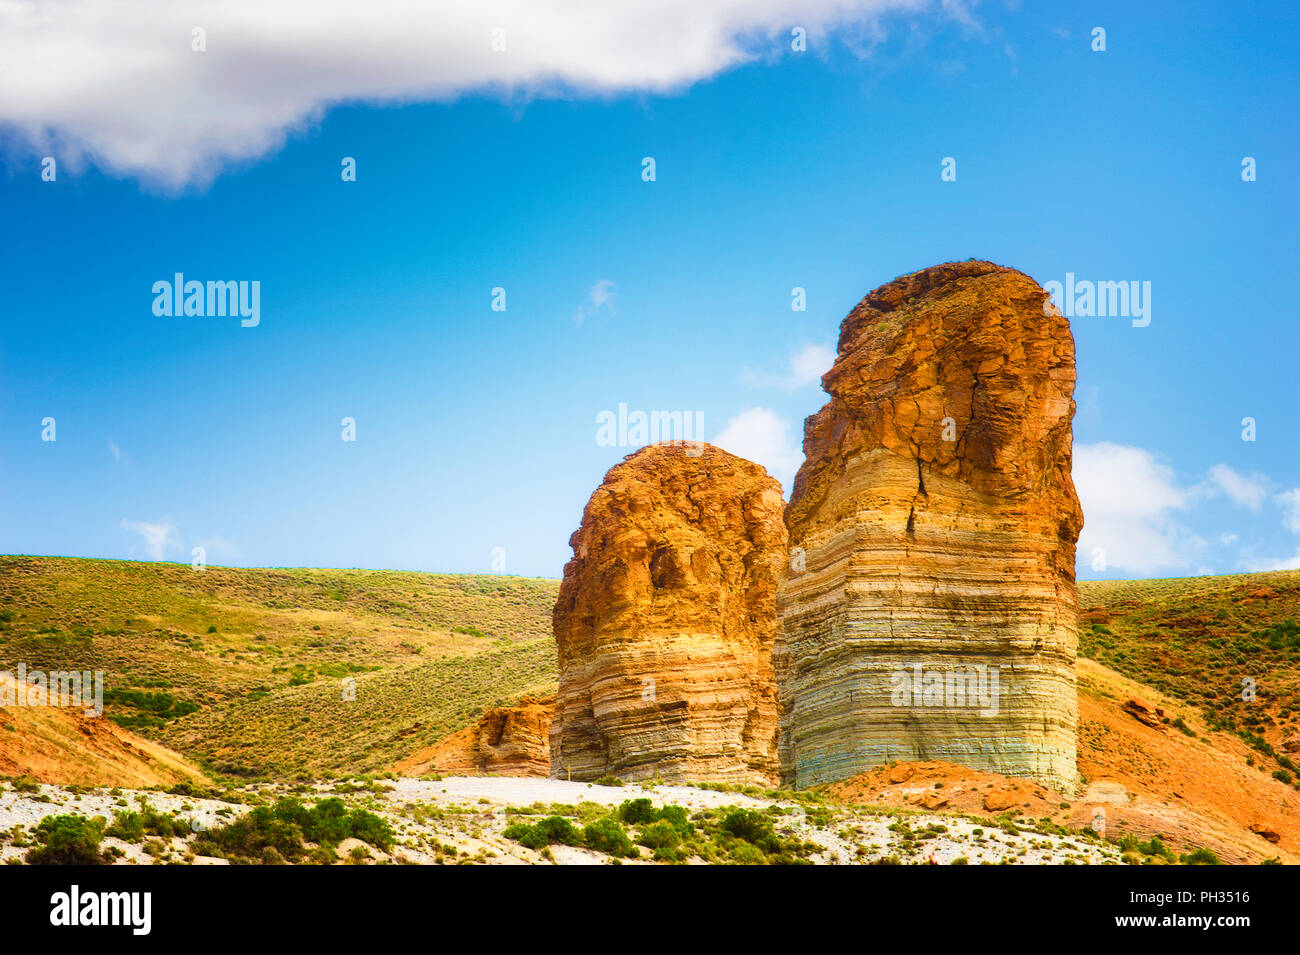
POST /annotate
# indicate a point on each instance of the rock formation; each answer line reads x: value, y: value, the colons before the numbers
x: 506, y: 741
x: 666, y: 619
x: 930, y: 613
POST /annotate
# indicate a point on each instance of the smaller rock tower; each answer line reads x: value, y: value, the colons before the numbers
x: 666, y: 620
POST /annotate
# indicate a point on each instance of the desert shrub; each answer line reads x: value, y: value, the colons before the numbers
x: 1155, y: 847
x: 526, y: 834
x: 67, y: 840
x: 163, y: 824
x: 545, y: 832
x: 751, y: 826
x: 678, y: 817
x: 609, y: 781
x: 746, y: 854
x: 371, y: 828
x: 286, y: 825
x: 660, y: 835
x: 610, y: 836
x: 1199, y: 857
x: 637, y: 811
x: 558, y: 829
x: 1281, y: 636
x: 127, y: 826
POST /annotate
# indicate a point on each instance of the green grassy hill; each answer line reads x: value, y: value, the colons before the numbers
x: 243, y: 670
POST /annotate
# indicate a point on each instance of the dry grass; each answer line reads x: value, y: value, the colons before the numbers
x: 262, y: 653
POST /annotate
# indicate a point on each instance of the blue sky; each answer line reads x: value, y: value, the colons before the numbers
x: 475, y: 428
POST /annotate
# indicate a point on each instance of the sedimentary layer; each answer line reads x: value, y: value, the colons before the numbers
x: 666, y: 619
x: 505, y: 741
x: 930, y: 612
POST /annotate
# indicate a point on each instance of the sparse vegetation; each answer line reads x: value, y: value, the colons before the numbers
x: 278, y: 833
x: 67, y: 840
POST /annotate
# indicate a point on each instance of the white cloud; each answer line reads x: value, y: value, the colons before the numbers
x: 1289, y: 501
x: 118, y: 81
x: 764, y: 437
x: 1246, y: 491
x: 1128, y: 497
x: 807, y: 365
x: 114, y: 450
x: 1255, y: 565
x: 600, y: 296
x: 157, y: 538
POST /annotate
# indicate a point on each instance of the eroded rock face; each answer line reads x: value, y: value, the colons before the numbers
x: 506, y: 741
x: 933, y: 528
x: 666, y: 620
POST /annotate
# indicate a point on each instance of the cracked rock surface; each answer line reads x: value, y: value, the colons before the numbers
x: 666, y: 619
x: 933, y: 528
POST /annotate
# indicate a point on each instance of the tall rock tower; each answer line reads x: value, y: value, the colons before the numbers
x: 930, y: 612
x: 666, y: 620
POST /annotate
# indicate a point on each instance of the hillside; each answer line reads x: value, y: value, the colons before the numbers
x: 1197, y: 639
x: 244, y: 669
x: 63, y: 745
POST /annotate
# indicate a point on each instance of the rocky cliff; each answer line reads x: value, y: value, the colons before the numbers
x: 930, y: 610
x: 666, y: 619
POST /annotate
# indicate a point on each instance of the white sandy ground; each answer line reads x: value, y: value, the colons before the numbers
x: 460, y: 820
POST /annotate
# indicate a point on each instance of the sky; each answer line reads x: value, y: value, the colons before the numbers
x: 499, y: 157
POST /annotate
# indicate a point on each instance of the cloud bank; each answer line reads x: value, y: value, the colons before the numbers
x: 124, y: 84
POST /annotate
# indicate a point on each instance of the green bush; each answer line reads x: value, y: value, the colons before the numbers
x: 549, y: 831
x: 67, y: 840
x: 1200, y: 857
x: 127, y: 826
x: 610, y: 836
x: 637, y: 811
x: 660, y: 835
x: 285, y: 826
x: 753, y: 827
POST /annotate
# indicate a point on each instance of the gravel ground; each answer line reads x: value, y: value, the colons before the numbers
x: 461, y: 819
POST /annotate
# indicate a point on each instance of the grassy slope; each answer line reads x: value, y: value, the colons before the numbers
x: 268, y: 681
x: 147, y: 625
x: 1197, y: 638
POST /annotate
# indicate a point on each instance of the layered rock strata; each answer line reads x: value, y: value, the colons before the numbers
x: 666, y: 619
x: 930, y: 613
x: 505, y: 741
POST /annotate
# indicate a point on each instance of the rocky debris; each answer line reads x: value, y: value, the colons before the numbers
x: 931, y: 800
x: 665, y: 622
x: 506, y: 741
x: 1146, y: 713
x: 930, y: 612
